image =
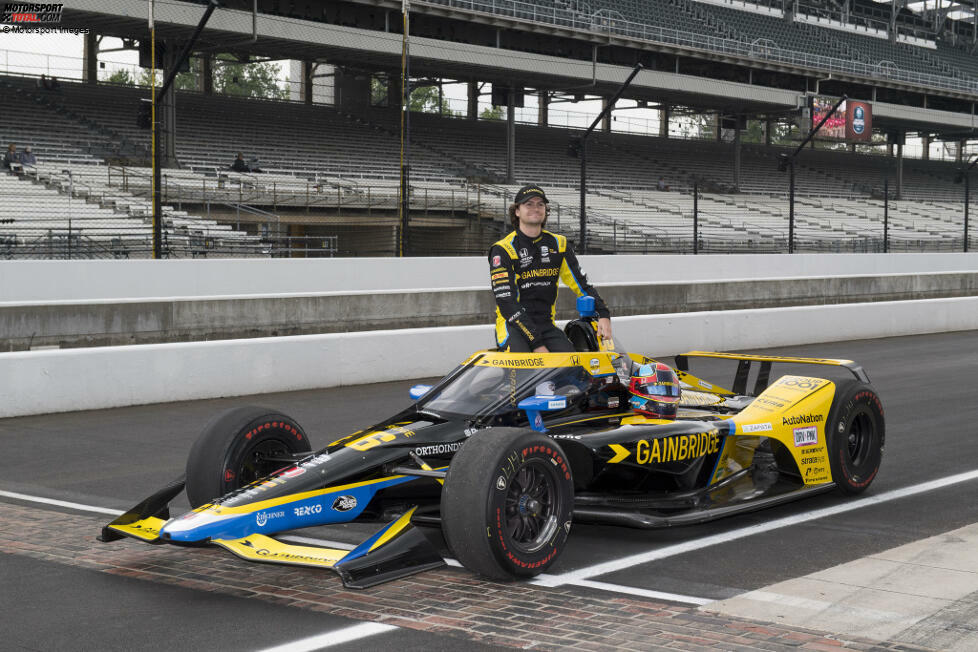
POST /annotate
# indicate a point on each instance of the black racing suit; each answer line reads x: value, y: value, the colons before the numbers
x: 523, y: 272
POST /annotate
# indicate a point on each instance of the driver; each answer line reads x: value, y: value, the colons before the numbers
x: 655, y: 391
x: 524, y: 268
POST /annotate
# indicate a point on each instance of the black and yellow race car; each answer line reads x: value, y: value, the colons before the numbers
x: 509, y: 449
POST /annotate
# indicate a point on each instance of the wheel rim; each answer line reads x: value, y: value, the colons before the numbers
x: 860, y: 439
x: 531, y: 507
x: 255, y: 461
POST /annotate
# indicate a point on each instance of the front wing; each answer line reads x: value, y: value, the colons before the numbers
x: 396, y: 550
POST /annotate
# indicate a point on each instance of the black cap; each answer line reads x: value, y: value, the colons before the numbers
x: 528, y: 192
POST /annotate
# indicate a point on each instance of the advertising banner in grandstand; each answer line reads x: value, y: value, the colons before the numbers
x: 852, y: 121
x: 859, y: 120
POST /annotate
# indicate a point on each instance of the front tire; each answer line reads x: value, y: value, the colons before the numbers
x: 239, y: 446
x: 507, y: 503
x: 856, y: 433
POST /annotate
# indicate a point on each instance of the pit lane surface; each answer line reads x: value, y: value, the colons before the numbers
x: 113, y: 458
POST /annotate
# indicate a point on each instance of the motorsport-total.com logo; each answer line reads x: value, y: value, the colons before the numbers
x: 30, y: 13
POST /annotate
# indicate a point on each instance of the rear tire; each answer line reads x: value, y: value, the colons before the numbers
x: 233, y: 450
x: 507, y: 503
x: 855, y: 433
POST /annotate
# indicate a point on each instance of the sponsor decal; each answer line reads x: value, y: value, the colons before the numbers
x: 308, y: 510
x: 496, y: 261
x: 816, y: 474
x: 537, y: 421
x: 800, y: 419
x: 515, y: 363
x: 437, y: 449
x: 768, y: 401
x: 677, y: 449
x: 261, y: 518
x: 705, y: 385
x: 316, y: 461
x: 291, y: 556
x: 228, y: 475
x: 344, y: 503
x: 499, y: 275
x: 295, y: 471
x: 595, y: 363
x: 800, y: 382
x: 806, y: 436
x: 756, y: 427
x: 558, y: 404
x: 613, y: 402
x: 500, y: 483
x: 566, y: 436
x: 537, y: 273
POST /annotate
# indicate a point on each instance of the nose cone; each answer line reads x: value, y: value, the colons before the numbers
x: 199, y: 526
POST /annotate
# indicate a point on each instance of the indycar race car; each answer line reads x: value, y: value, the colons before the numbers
x: 509, y: 449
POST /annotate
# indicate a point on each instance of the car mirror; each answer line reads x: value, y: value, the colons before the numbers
x: 534, y: 405
x: 585, y: 307
x: 418, y: 391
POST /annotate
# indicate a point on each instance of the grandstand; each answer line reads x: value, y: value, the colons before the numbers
x: 329, y: 180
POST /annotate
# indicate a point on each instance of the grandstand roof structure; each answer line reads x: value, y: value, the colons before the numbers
x: 733, y: 58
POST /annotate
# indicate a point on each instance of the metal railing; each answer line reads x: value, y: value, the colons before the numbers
x: 559, y: 17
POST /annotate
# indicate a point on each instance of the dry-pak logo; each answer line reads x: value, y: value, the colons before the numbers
x: 26, y: 13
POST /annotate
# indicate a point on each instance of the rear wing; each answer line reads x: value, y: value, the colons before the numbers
x: 764, y: 373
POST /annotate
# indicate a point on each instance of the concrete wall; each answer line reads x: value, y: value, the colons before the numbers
x: 39, y: 382
x: 134, y: 321
x: 50, y: 280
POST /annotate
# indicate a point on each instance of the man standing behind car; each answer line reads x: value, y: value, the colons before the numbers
x: 524, y: 268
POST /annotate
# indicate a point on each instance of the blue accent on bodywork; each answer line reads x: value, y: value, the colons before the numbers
x: 241, y: 525
x: 731, y: 429
x: 534, y: 405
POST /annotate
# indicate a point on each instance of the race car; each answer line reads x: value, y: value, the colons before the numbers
x: 509, y: 449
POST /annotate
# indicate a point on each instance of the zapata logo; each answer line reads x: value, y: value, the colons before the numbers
x: 30, y: 12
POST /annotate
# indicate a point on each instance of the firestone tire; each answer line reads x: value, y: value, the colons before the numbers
x: 507, y: 503
x: 855, y: 432
x: 235, y: 448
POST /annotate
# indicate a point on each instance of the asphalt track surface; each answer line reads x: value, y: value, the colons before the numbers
x: 114, y: 458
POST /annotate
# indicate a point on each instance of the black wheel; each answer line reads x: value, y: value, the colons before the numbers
x: 239, y: 446
x: 855, y: 432
x: 507, y: 503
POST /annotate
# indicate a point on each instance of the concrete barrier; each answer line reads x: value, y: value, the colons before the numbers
x: 142, y: 321
x: 87, y: 280
x: 39, y: 382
